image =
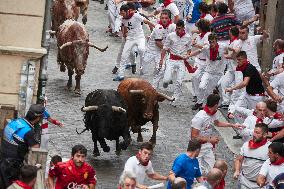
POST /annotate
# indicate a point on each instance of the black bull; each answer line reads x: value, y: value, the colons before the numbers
x: 106, y: 117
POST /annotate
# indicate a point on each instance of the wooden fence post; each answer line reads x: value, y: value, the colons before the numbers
x: 38, y: 156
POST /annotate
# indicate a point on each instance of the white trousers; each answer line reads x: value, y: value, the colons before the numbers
x: 249, y: 102
x: 179, y: 67
x: 228, y: 80
x: 44, y: 139
x: 207, y: 84
x: 113, y: 16
x: 181, y: 7
x: 196, y: 76
x: 206, y: 160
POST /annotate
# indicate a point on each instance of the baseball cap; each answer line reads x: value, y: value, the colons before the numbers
x: 37, y: 109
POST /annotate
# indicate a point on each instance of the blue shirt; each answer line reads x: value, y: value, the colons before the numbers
x: 46, y: 114
x: 195, y: 12
x: 186, y: 168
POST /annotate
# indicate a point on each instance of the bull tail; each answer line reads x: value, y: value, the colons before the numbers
x: 81, y: 131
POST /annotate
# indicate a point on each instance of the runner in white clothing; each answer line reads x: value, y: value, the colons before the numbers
x: 154, y: 46
x: 114, y: 17
x: 133, y: 32
x: 170, y: 5
x: 202, y: 129
x: 272, y: 166
x: 214, y: 69
x: 178, y: 43
x: 249, y: 45
x: 252, y: 155
x: 141, y: 166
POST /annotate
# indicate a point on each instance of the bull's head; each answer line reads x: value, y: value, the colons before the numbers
x: 149, y: 101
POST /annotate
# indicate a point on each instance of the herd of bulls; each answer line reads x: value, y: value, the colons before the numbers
x: 109, y: 114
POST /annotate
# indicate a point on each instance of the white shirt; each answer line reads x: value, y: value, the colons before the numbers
x: 253, y: 160
x: 133, y: 165
x: 249, y: 124
x: 243, y: 9
x: 217, y: 66
x: 250, y: 46
x: 177, y: 45
x: 159, y: 32
x: 205, y: 43
x: 208, y: 17
x: 134, y: 26
x: 231, y: 63
x: 278, y: 83
x: 172, y: 7
x: 204, y: 123
x: 271, y: 171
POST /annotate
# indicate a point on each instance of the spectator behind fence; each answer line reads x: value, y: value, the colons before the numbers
x: 27, y: 179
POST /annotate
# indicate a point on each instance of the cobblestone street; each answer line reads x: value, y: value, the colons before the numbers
x: 172, y: 135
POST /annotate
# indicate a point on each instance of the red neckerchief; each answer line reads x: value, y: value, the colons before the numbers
x: 130, y: 14
x: 167, y: 2
x: 208, y: 111
x: 214, y: 15
x: 182, y: 33
x: 202, y: 34
x: 22, y: 184
x: 242, y: 67
x: 258, y: 120
x: 277, y: 115
x: 254, y: 145
x: 278, y: 162
x: 202, y: 15
x: 165, y: 26
x: 214, y: 51
x: 221, y: 185
x: 233, y: 39
x: 138, y: 157
x: 279, y: 51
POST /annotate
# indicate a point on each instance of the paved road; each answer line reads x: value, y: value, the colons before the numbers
x: 173, y: 133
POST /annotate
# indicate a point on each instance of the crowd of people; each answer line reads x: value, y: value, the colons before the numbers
x: 214, y: 41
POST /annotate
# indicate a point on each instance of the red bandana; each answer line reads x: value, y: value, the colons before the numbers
x: 208, y: 111
x: 258, y: 120
x: 167, y: 24
x: 279, y: 51
x: 278, y: 162
x: 202, y: 34
x: 138, y: 157
x: 167, y: 2
x: 214, y: 52
x: 221, y: 185
x: 277, y: 115
x: 254, y: 145
x: 22, y: 184
x: 233, y: 39
x: 202, y: 15
x: 130, y: 14
x: 182, y: 33
x: 242, y: 67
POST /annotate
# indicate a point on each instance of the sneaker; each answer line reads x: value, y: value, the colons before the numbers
x: 127, y: 66
x: 114, y: 70
x: 197, y: 106
x: 171, y: 82
x: 165, y: 85
x: 237, y: 136
x: 141, y: 71
x: 118, y: 78
x: 133, y: 69
x: 106, y: 7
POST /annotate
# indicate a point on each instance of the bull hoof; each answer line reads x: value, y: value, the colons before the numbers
x: 77, y: 92
x: 62, y: 68
x: 123, y: 146
x: 96, y: 153
x: 106, y: 149
x: 84, y: 20
x: 152, y: 141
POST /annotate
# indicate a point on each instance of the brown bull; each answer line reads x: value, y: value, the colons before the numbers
x: 73, y: 50
x: 142, y: 101
x: 68, y: 9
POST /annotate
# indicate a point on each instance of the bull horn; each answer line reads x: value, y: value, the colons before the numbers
x: 118, y: 109
x: 81, y: 131
x: 166, y: 97
x: 100, y: 49
x: 89, y: 108
x: 136, y: 91
x: 70, y: 43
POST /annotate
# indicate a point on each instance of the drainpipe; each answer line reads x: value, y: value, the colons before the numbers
x: 44, y: 44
